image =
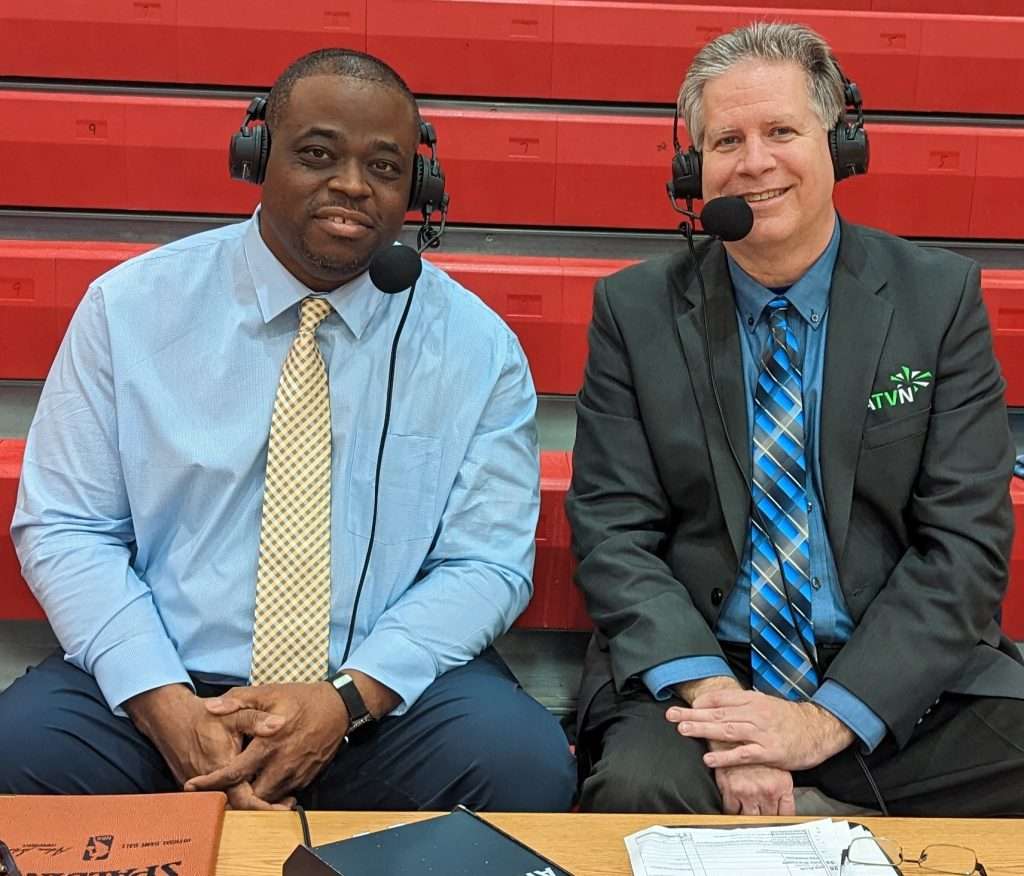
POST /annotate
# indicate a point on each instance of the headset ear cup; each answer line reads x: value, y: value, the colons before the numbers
x: 262, y: 149
x: 427, y: 185
x: 416, y: 191
x: 850, y: 150
x: 250, y: 145
x: 686, y: 175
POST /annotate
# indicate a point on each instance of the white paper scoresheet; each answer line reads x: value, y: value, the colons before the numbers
x: 811, y: 849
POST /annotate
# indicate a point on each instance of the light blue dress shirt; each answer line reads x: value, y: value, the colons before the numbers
x: 138, y: 516
x: 808, y: 297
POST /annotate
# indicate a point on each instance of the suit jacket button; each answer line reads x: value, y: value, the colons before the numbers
x: 717, y: 596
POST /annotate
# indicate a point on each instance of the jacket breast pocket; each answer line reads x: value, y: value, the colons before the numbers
x: 407, y: 505
x: 900, y: 429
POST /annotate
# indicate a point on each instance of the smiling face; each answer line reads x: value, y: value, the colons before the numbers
x: 338, y: 178
x: 764, y: 142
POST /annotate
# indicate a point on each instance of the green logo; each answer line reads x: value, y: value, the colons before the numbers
x: 908, y: 382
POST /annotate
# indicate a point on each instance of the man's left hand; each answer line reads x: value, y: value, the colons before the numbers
x: 765, y: 729
x: 316, y: 722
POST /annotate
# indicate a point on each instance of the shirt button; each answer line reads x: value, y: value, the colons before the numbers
x: 810, y: 507
x: 717, y: 596
x: 814, y: 317
x: 816, y: 583
x: 750, y: 320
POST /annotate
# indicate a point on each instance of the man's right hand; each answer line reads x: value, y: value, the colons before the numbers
x: 754, y: 790
x: 194, y: 742
x: 746, y: 790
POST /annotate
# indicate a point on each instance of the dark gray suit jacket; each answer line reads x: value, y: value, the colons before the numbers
x: 915, y: 491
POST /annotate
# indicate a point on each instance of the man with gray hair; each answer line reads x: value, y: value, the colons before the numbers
x: 790, y: 489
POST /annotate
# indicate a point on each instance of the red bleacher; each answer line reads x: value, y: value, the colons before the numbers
x: 546, y: 301
x: 121, y: 152
x: 528, y: 49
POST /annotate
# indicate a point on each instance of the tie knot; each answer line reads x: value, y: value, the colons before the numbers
x: 312, y: 312
x: 778, y: 309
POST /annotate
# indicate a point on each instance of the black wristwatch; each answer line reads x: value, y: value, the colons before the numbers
x: 361, y: 724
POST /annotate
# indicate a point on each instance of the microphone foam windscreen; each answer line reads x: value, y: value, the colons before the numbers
x: 729, y: 218
x: 396, y: 268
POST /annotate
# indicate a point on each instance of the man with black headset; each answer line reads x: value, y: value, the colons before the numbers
x: 790, y: 487
x: 180, y: 553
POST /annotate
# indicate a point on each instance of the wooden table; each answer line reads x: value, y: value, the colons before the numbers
x: 256, y: 843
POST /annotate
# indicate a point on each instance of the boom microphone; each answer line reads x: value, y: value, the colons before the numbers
x: 397, y: 268
x: 728, y: 218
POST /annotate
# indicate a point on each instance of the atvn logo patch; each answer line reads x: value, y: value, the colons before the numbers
x: 908, y: 382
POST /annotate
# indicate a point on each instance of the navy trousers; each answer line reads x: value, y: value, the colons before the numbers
x: 474, y: 737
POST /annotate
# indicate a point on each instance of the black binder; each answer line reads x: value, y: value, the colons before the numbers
x: 457, y: 844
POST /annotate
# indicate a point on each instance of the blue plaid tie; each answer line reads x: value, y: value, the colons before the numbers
x: 778, y: 656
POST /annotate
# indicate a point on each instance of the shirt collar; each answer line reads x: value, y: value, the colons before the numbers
x: 808, y: 295
x: 278, y: 290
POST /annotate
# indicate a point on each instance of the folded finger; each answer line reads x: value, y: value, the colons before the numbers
x: 242, y: 797
x: 253, y: 722
x: 741, y: 755
x: 727, y: 731
x: 241, y: 768
x: 712, y: 716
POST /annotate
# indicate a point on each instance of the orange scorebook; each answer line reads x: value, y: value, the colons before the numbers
x: 126, y: 835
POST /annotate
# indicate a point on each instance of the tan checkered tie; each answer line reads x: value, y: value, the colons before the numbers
x: 293, y: 582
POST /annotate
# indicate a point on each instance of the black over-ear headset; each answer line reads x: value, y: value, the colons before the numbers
x: 847, y: 143
x: 250, y: 150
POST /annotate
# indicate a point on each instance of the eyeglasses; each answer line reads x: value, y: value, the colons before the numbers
x: 938, y: 858
x: 7, y: 865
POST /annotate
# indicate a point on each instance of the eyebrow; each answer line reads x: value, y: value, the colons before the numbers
x: 334, y: 135
x: 728, y: 129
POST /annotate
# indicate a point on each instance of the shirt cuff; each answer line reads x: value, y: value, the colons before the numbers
x: 660, y: 678
x: 397, y: 662
x: 154, y: 663
x: 852, y: 712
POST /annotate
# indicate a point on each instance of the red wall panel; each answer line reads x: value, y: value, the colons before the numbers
x: 629, y: 51
x: 1004, y: 297
x: 527, y: 293
x: 971, y: 64
x: 251, y: 42
x: 41, y: 284
x: 977, y: 7
x: 998, y: 204
x: 656, y: 43
x: 89, y: 39
x: 921, y: 182
x: 465, y: 46
x: 499, y: 167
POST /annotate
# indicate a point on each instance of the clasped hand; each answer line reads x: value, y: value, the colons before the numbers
x: 309, y: 722
x: 761, y: 730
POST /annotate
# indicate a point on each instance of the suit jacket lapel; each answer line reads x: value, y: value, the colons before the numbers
x: 858, y: 322
x: 728, y: 370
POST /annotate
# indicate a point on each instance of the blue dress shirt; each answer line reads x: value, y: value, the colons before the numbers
x: 138, y: 516
x: 808, y: 297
